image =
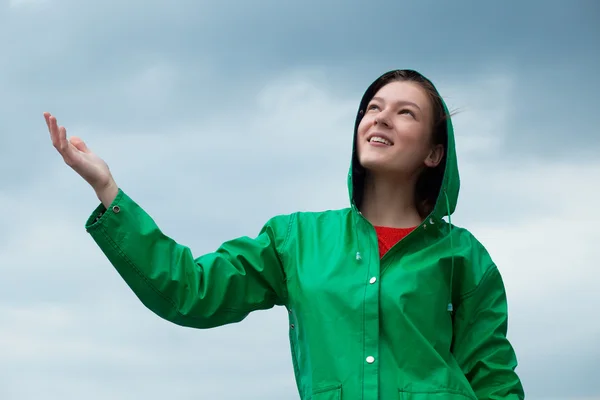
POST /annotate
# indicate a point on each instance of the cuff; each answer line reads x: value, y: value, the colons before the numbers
x: 99, y: 215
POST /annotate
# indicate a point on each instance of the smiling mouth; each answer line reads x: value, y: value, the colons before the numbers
x: 379, y: 139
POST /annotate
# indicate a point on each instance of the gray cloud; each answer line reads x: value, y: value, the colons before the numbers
x: 84, y: 62
x: 217, y: 117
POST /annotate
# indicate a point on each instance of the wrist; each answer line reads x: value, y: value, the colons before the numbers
x: 107, y: 193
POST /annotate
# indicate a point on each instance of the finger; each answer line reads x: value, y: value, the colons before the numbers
x: 47, y: 118
x: 53, y: 132
x: 62, y: 137
x: 59, y: 136
x: 79, y: 144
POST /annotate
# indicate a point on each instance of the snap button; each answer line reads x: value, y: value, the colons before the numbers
x: 370, y: 359
x: 116, y: 209
x: 372, y: 280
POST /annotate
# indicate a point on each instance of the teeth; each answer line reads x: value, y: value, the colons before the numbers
x: 380, y: 140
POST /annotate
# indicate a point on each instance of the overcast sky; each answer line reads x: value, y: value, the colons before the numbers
x: 215, y: 118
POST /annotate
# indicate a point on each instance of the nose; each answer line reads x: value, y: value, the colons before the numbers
x: 382, y: 118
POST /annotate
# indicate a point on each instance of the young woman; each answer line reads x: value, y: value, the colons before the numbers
x: 386, y: 299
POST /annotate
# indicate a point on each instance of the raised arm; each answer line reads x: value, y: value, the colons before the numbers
x: 217, y: 288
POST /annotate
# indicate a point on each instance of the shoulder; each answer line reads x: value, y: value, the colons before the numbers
x: 307, y: 218
x: 476, y: 252
x: 287, y: 227
x: 476, y: 262
x: 323, y: 217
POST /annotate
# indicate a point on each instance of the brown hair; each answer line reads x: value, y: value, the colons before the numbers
x: 430, y: 181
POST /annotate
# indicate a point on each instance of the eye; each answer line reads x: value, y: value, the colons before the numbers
x: 407, y: 111
x: 372, y: 107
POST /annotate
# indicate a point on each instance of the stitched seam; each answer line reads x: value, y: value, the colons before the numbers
x: 325, y: 389
x: 288, y: 233
x: 280, y: 252
x: 470, y: 293
x: 441, y: 390
x: 485, y: 276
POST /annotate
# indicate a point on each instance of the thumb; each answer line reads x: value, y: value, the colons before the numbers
x: 79, y: 144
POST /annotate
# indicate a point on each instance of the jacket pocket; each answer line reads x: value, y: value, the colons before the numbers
x: 440, y: 394
x: 328, y: 393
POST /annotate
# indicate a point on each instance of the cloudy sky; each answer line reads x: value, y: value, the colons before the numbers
x: 217, y: 117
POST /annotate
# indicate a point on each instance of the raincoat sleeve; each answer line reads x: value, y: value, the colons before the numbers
x: 215, y: 289
x: 481, y: 347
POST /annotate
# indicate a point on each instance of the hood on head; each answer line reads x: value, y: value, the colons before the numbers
x: 447, y: 197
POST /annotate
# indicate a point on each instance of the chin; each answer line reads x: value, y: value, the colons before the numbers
x: 374, y: 165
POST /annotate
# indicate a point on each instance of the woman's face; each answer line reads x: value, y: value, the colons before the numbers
x: 394, y: 136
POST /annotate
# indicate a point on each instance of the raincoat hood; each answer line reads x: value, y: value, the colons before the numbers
x: 448, y: 194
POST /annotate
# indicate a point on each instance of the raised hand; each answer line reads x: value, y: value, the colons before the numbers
x: 82, y: 160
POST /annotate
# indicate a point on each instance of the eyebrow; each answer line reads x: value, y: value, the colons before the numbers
x: 410, y: 103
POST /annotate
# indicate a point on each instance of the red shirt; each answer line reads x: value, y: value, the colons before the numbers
x: 387, y: 237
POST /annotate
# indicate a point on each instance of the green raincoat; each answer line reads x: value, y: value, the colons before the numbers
x: 427, y: 321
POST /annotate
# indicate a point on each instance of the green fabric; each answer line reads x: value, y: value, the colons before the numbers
x: 432, y: 313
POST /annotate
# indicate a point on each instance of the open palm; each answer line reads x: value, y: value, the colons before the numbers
x: 78, y: 156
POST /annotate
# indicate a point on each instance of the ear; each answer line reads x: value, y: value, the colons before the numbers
x: 435, y: 156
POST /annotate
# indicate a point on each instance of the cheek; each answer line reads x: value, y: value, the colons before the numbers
x: 359, y: 147
x: 361, y: 132
x: 416, y: 139
x: 364, y: 126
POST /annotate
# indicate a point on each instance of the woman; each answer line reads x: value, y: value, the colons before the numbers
x: 386, y: 300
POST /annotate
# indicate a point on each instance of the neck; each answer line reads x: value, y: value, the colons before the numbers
x: 390, y: 202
